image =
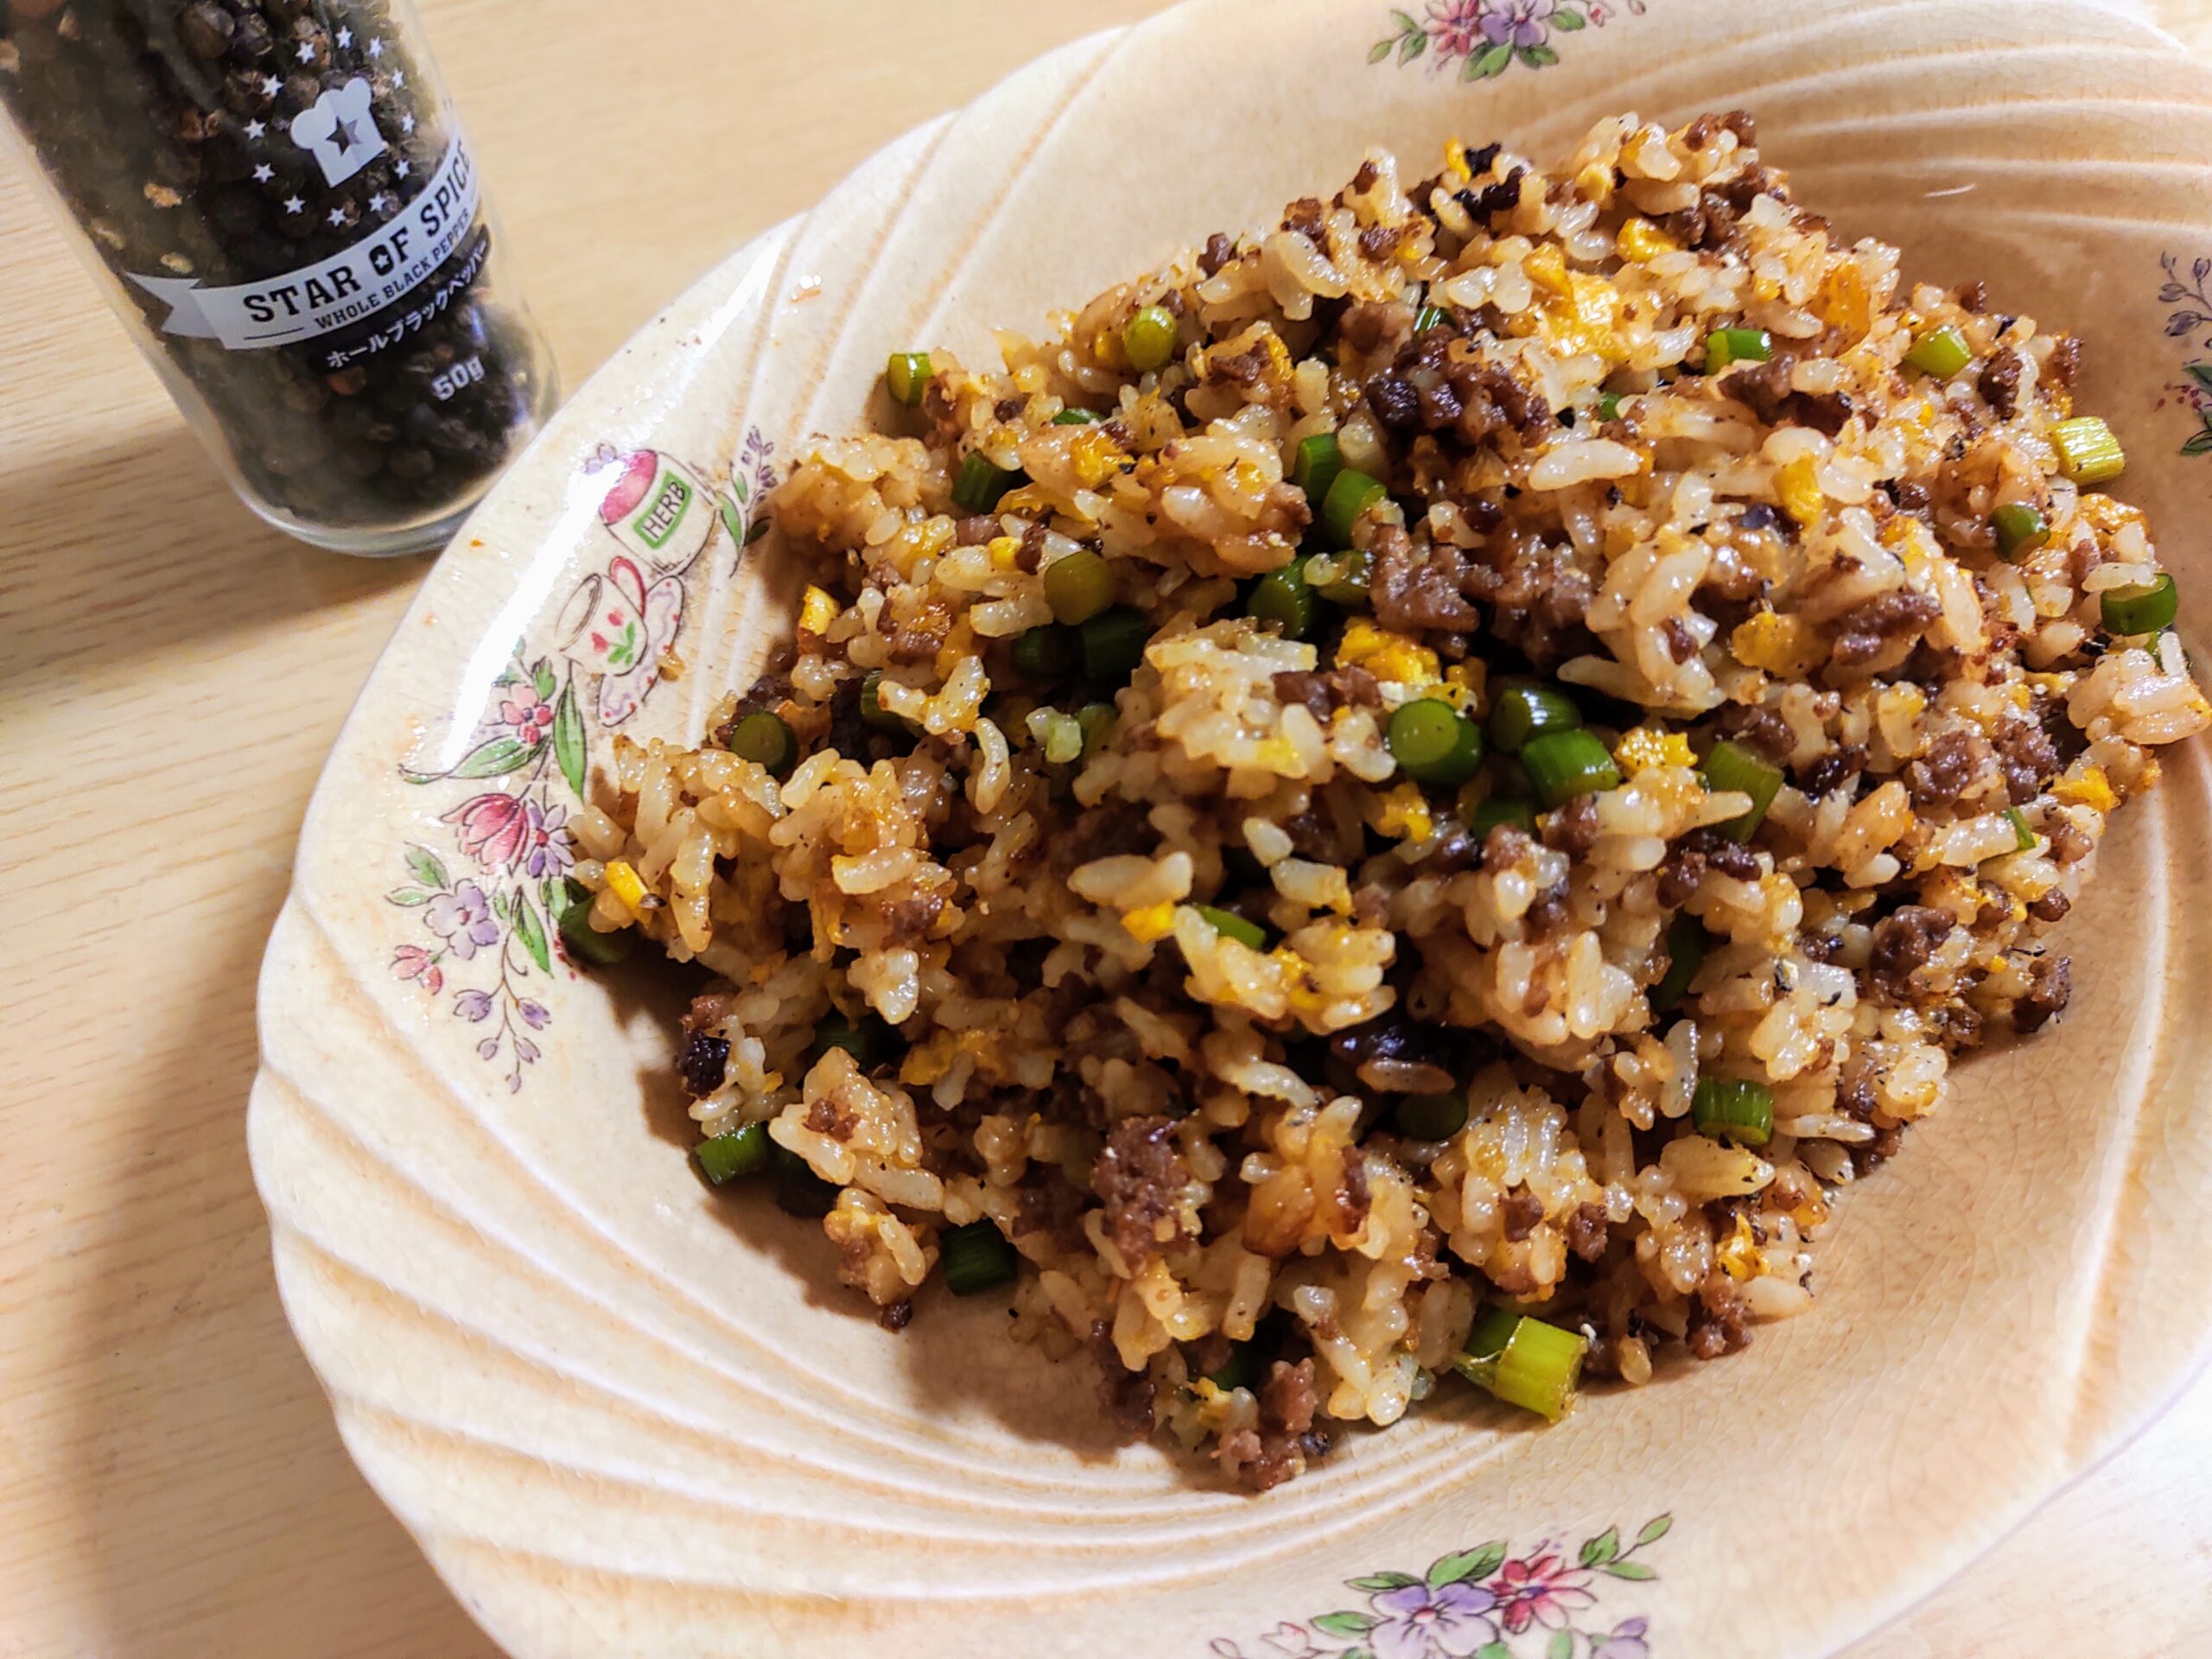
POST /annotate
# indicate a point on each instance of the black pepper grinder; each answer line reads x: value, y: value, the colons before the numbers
x: 291, y: 221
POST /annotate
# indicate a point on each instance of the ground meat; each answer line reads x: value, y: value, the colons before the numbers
x: 1865, y: 630
x: 1973, y: 296
x: 2027, y: 756
x: 772, y: 688
x: 1903, y: 944
x: 2064, y: 361
x: 1763, y: 732
x: 911, y: 919
x: 1585, y: 1232
x: 1218, y: 252
x: 2070, y: 843
x: 1354, y: 1197
x: 1395, y: 404
x: 2051, y: 907
x: 1719, y: 1321
x: 1521, y: 1212
x: 976, y: 530
x: 1304, y: 218
x: 1398, y: 1054
x: 1538, y: 596
x: 1941, y: 775
x: 1324, y: 691
x: 918, y: 638
x: 1413, y: 589
x: 1854, y: 1088
x: 896, y: 1318
x: 1573, y: 828
x: 1709, y: 225
x: 1504, y: 847
x: 702, y: 1063
x: 1368, y: 325
x: 1139, y: 1178
x: 1831, y: 770
x: 1286, y: 1439
x: 1493, y: 198
x: 1379, y: 242
x: 1909, y: 496
x: 2050, y: 985
x: 1113, y: 828
x: 1454, y: 850
x: 1999, y: 381
x: 1545, y: 914
x: 1765, y: 389
x: 1126, y: 1395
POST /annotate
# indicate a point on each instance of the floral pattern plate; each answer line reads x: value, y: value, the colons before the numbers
x: 623, y: 1415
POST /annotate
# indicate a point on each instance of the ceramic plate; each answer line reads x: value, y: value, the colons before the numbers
x: 622, y: 1415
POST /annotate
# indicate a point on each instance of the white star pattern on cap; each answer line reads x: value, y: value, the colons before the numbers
x: 345, y: 38
x: 376, y: 49
x: 407, y: 122
x: 338, y: 215
x: 263, y: 173
x: 293, y: 205
x: 257, y: 130
x: 307, y: 51
x: 270, y: 85
x: 376, y: 202
x: 402, y: 168
x: 399, y: 77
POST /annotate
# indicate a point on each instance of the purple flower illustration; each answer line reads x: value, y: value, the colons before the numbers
x: 1421, y: 1622
x: 545, y: 840
x: 535, y: 1014
x: 1517, y: 22
x: 472, y: 1006
x: 463, y: 919
x: 1625, y: 1643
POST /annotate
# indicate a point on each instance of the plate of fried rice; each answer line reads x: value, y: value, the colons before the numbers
x: 1140, y: 889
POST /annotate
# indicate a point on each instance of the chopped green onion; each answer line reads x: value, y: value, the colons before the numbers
x: 740, y: 1151
x: 982, y: 482
x: 2020, y: 530
x: 1563, y: 764
x: 1351, y: 495
x: 2088, y: 451
x: 1520, y: 711
x: 1113, y: 644
x: 1686, y: 947
x: 1493, y: 1328
x: 763, y: 738
x: 1609, y: 406
x: 2022, y: 837
x: 1434, y: 743
x: 869, y: 1043
x: 583, y: 940
x: 1497, y: 810
x: 1242, y: 1371
x: 1727, y: 345
x: 1316, y: 466
x: 1072, y: 416
x: 2148, y: 609
x: 1733, y: 1109
x: 1730, y: 766
x: 1347, y: 584
x: 1231, y: 925
x: 1047, y: 654
x: 1061, y: 736
x: 1097, y: 720
x: 1430, y: 1117
x: 1537, y: 1368
x: 976, y: 1258
x: 908, y: 376
x: 1940, y: 352
x: 1149, y: 339
x: 799, y: 1191
x: 873, y: 712
x: 1283, y: 597
x: 1430, y: 316
x: 1077, y: 585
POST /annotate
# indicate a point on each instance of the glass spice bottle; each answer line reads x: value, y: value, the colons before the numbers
x: 290, y: 218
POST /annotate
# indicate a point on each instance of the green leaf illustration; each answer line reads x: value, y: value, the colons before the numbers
x: 1411, y: 46
x: 1654, y: 1530
x: 1405, y: 23
x: 734, y: 518
x: 532, y: 932
x: 1345, y: 1624
x: 1596, y: 1552
x: 499, y: 906
x: 1537, y: 57
x: 1492, y: 62
x: 1493, y: 1650
x: 758, y: 529
x: 2201, y: 373
x: 1380, y: 50
x: 2200, y: 444
x: 1561, y: 1646
x: 569, y: 740
x: 1477, y: 1563
x: 553, y: 891
x: 1629, y: 1570
x: 1567, y: 19
x: 501, y: 754
x: 427, y: 870
x: 409, y: 897
x: 1374, y: 1581
x: 542, y: 677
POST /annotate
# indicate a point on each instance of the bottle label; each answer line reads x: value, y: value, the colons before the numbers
x: 349, y: 288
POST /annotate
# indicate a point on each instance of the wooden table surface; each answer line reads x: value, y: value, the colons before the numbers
x: 171, y: 675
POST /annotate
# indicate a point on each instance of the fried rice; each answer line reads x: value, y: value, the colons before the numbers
x: 1129, y: 947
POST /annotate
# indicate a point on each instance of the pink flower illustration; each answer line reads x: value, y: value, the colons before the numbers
x: 495, y: 830
x: 413, y: 962
x: 1517, y: 22
x: 1455, y: 26
x: 1542, y: 1588
x: 1424, y: 1622
x: 527, y: 715
x: 463, y: 919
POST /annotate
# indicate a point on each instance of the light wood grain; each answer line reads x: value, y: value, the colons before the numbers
x: 169, y: 1482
